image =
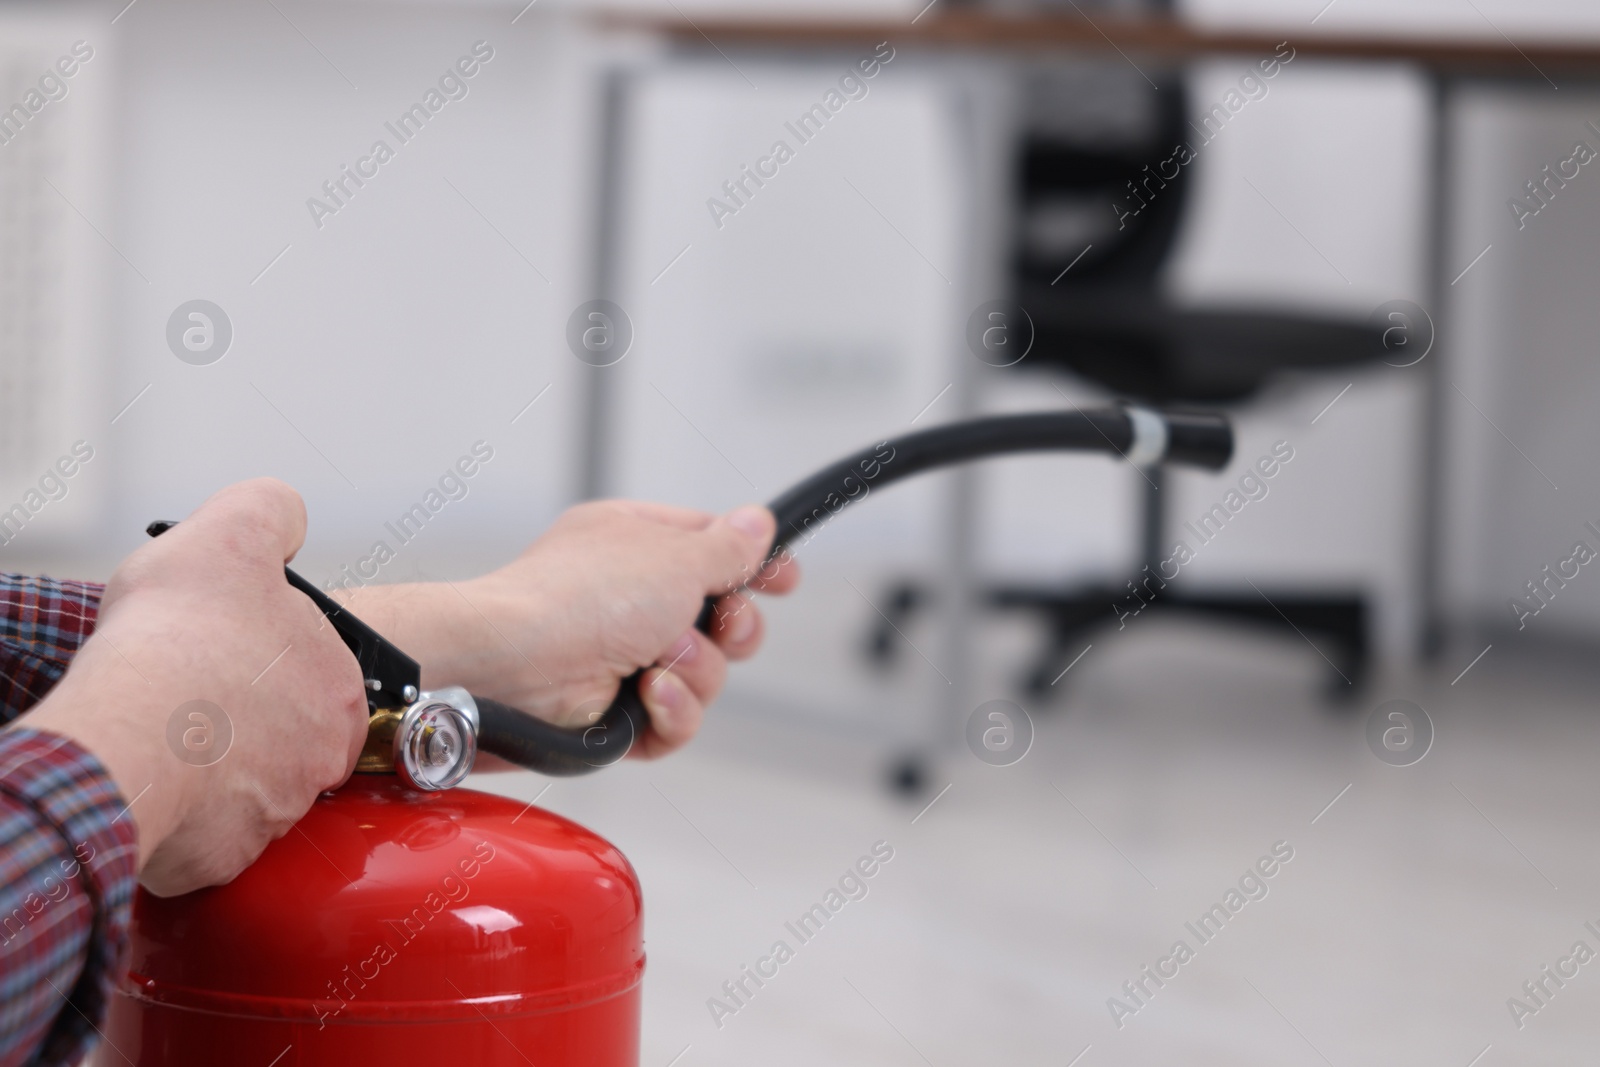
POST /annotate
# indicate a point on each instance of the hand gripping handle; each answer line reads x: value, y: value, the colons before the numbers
x: 1137, y: 434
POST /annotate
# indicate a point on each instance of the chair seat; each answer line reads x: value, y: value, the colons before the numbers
x: 1157, y: 351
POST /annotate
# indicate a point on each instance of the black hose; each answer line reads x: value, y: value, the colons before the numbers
x: 563, y: 752
x: 1202, y: 440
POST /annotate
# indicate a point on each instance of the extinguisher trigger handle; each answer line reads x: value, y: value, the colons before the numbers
x: 393, y: 679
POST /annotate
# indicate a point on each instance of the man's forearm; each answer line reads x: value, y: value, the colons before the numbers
x: 442, y: 625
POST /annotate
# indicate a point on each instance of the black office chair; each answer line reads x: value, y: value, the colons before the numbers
x: 1098, y: 208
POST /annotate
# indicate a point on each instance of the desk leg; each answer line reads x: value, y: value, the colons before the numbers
x: 1430, y: 527
x: 597, y: 439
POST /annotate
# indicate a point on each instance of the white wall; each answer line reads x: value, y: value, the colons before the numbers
x: 824, y: 315
x: 54, y: 174
x: 1524, y: 382
x: 390, y: 339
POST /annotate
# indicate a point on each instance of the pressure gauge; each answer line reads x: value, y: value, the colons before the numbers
x: 436, y: 741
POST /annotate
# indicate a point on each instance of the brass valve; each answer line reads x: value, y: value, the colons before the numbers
x: 377, y: 755
x: 430, y: 743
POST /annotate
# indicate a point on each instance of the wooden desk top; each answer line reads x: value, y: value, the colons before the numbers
x: 1165, y: 38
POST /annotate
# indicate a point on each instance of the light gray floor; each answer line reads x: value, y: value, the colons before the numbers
x: 1015, y: 906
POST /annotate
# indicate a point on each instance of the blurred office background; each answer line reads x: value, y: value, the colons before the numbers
x: 372, y: 347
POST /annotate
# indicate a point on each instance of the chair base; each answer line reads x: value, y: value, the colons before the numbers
x: 1334, y: 624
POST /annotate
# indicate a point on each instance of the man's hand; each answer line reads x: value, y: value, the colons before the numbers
x: 611, y: 587
x: 204, y: 613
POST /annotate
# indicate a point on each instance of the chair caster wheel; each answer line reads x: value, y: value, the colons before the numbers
x: 1341, y: 695
x: 908, y: 777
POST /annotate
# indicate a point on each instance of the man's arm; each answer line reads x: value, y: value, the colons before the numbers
x: 67, y: 861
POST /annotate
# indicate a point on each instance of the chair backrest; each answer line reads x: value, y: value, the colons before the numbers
x: 1101, y: 174
x: 1106, y: 158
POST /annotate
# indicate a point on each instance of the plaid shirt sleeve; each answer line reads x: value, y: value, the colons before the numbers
x: 42, y: 624
x: 67, y: 858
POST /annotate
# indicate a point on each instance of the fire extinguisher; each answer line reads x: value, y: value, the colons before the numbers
x: 406, y: 922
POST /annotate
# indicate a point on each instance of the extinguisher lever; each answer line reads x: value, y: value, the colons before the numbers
x: 393, y: 679
x: 428, y: 739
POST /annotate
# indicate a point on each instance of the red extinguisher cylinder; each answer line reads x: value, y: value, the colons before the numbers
x: 400, y: 928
